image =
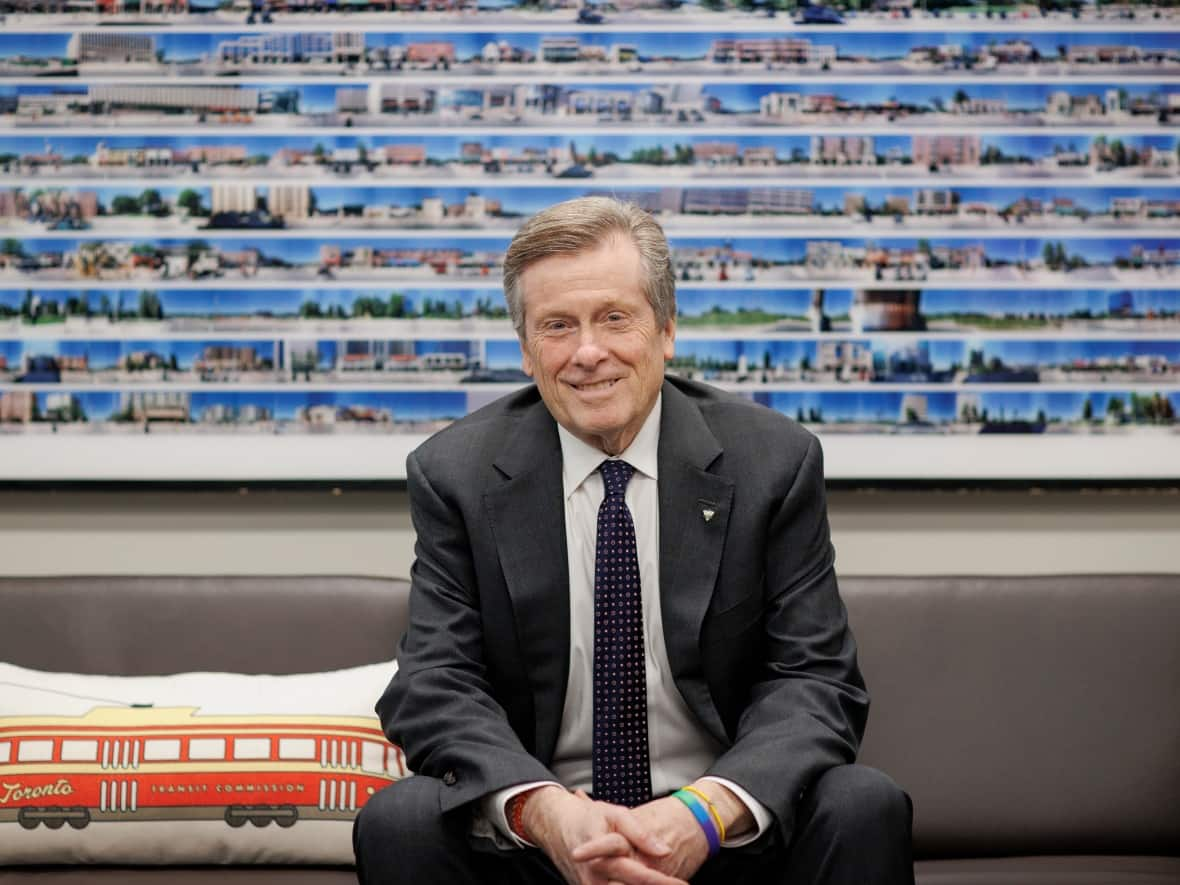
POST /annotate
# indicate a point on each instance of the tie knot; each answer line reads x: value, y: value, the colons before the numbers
x: 615, y: 476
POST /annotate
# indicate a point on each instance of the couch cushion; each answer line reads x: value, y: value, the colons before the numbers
x: 180, y: 876
x: 1070, y: 870
x: 146, y: 624
x: 1026, y: 715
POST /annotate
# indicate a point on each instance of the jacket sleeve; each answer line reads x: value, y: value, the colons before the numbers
x: 807, y: 706
x: 440, y: 706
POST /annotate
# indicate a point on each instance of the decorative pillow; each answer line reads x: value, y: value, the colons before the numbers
x: 205, y: 768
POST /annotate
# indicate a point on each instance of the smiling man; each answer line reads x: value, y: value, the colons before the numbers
x: 627, y: 658
x: 593, y: 343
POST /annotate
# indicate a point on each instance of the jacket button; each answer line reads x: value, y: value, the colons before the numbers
x: 449, y: 778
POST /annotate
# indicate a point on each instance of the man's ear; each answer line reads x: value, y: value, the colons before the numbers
x: 669, y: 338
x: 526, y: 360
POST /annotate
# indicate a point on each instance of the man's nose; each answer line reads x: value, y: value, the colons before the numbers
x: 590, y: 351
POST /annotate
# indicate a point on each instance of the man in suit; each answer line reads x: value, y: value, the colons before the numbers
x: 664, y: 633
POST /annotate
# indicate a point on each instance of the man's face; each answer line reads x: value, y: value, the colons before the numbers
x: 592, y: 343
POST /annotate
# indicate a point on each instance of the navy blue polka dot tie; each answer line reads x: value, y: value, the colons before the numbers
x: 620, y: 765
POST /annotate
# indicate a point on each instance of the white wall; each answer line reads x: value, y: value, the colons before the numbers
x: 368, y: 532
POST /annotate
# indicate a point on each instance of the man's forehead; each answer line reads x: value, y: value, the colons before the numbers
x: 610, y: 257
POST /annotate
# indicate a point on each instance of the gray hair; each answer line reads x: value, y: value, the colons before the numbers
x: 582, y: 224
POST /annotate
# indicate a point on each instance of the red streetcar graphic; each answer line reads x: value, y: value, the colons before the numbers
x: 117, y: 764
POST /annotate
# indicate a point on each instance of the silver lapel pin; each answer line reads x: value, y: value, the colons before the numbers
x: 708, y: 514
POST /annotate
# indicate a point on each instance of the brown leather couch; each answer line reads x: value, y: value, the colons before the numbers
x: 1035, y: 721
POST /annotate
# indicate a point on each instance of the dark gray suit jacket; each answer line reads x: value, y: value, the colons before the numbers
x: 756, y: 633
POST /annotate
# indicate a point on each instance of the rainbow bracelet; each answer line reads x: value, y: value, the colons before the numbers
x: 703, y: 818
x: 709, y: 806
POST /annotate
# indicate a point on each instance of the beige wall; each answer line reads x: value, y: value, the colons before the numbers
x: 368, y: 532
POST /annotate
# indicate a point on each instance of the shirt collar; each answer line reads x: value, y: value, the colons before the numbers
x: 579, y: 459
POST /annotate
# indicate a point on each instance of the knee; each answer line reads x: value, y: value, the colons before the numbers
x: 402, y: 815
x: 856, y: 799
x: 401, y: 835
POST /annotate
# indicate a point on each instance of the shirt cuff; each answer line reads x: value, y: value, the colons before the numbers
x: 494, y: 807
x: 763, y: 817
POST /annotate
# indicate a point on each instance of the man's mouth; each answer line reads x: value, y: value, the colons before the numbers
x: 595, y: 386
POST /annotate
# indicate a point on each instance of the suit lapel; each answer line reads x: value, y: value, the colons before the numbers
x: 528, y: 521
x: 694, y: 517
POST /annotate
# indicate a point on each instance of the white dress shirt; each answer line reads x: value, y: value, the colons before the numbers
x: 681, y: 749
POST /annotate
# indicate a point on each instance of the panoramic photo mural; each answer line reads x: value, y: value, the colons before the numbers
x: 939, y: 233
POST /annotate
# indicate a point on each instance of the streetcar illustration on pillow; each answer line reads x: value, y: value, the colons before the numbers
x: 174, y: 764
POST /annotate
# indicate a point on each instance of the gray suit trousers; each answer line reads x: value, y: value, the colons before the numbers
x: 853, y: 828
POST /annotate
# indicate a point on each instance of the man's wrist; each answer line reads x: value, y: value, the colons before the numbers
x: 526, y: 811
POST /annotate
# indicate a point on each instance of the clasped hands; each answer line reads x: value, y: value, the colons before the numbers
x: 596, y: 843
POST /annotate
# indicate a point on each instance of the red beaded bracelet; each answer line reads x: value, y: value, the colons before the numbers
x: 516, y: 814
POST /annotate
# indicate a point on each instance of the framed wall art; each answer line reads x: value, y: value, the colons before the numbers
x: 262, y: 240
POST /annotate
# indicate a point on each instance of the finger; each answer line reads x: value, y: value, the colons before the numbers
x: 591, y: 874
x: 640, y: 836
x: 629, y: 871
x: 606, y: 845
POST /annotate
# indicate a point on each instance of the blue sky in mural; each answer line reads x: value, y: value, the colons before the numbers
x: 503, y: 353
x: 867, y: 406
